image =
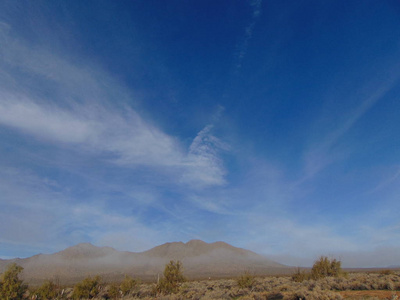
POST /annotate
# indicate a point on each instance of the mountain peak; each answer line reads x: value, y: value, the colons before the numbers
x: 85, y: 250
x: 84, y: 245
x: 196, y: 243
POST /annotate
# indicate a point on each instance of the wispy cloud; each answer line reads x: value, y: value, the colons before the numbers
x: 387, y: 181
x: 89, y: 110
x: 244, y: 43
x: 205, y: 165
x: 78, y: 110
x: 126, y: 136
x: 323, y: 153
x: 43, y: 122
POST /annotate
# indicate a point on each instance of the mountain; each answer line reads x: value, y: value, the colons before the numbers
x: 199, y: 259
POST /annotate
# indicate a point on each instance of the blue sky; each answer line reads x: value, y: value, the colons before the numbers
x: 270, y: 125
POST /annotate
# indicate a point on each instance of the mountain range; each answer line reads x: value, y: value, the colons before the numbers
x: 199, y: 259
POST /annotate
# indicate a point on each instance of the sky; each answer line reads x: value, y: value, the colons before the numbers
x: 270, y: 125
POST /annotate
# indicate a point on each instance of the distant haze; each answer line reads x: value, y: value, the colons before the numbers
x: 200, y: 260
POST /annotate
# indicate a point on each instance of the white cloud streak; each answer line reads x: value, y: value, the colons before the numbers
x: 129, y: 138
x: 322, y: 154
x: 243, y: 45
x: 205, y: 165
x: 80, y: 110
x: 90, y: 111
x: 47, y: 123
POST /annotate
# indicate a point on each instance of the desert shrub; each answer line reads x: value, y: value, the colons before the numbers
x: 358, y: 286
x: 113, y: 291
x: 128, y: 285
x: 284, y: 287
x: 272, y: 296
x: 313, y: 295
x: 87, y: 288
x: 173, y: 277
x: 12, y: 288
x: 325, y: 267
x: 386, y: 272
x: 325, y: 283
x: 386, y: 285
x: 300, y: 276
x: 246, y: 280
x: 48, y: 290
x: 299, y: 294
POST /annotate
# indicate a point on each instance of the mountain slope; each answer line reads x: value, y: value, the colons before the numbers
x: 200, y: 259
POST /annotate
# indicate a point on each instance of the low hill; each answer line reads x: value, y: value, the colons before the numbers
x: 200, y: 260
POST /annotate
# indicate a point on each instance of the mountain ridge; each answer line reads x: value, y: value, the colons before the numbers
x: 200, y: 260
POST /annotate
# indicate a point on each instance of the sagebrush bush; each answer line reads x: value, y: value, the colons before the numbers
x: 246, y: 280
x: 11, y: 287
x: 48, y: 290
x: 271, y: 287
x: 113, y: 291
x: 300, y: 275
x: 173, y: 278
x: 128, y: 285
x: 324, y: 267
x: 87, y: 288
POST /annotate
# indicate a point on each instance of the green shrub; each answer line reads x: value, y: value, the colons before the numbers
x: 245, y: 281
x: 113, y: 291
x: 326, y: 268
x: 172, y: 279
x: 48, y: 290
x: 87, y: 288
x: 12, y: 288
x: 300, y: 276
x: 128, y: 285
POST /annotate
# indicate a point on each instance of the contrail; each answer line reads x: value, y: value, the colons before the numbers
x: 242, y: 47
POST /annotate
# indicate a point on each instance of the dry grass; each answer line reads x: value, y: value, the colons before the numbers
x: 354, y: 295
x: 355, y: 286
